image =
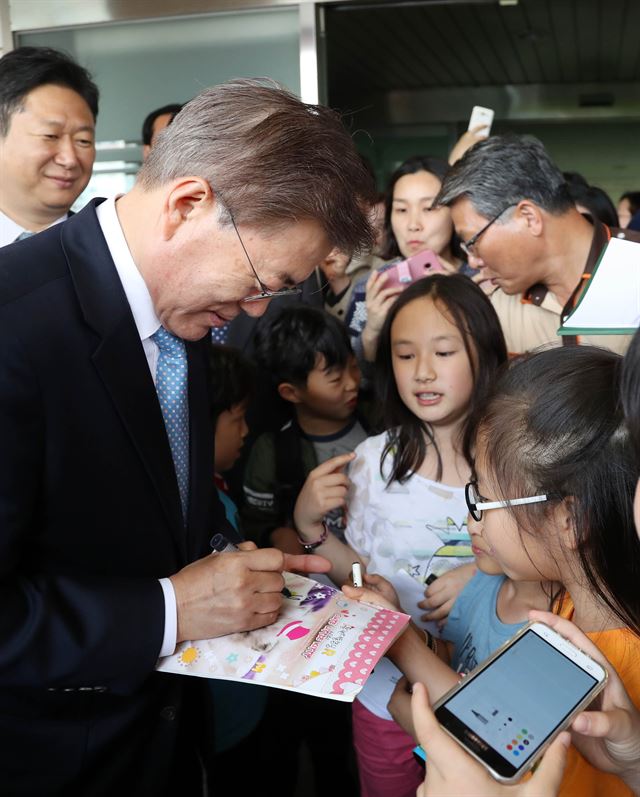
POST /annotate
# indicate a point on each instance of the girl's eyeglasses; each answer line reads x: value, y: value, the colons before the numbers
x: 477, y: 504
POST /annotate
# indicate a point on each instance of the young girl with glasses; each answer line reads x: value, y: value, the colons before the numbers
x: 440, y: 349
x: 554, y: 432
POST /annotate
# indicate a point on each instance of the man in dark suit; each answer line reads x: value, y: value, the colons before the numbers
x: 48, y: 111
x: 106, y: 466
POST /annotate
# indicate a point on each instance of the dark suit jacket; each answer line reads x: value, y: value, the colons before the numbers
x: 89, y: 520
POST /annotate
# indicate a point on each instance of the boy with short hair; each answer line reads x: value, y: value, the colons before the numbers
x: 308, y: 355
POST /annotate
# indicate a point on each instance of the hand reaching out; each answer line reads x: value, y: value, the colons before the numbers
x: 609, y: 738
x: 467, y: 140
x: 485, y: 282
x: 440, y: 595
x: 325, y: 488
x: 379, y: 300
x: 451, y: 772
x: 379, y: 592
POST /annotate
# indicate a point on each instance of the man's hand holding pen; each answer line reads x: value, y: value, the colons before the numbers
x: 238, y: 591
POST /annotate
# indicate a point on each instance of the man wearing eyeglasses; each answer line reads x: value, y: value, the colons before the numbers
x: 519, y: 226
x: 107, y: 499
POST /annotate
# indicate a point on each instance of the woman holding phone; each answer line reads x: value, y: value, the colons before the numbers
x: 410, y: 227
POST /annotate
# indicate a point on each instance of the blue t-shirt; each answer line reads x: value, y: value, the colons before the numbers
x: 473, y: 624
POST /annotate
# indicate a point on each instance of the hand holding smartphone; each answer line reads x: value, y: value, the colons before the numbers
x: 481, y: 116
x: 508, y: 710
x: 413, y: 268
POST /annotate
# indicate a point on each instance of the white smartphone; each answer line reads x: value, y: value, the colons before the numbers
x: 481, y: 116
x: 510, y: 708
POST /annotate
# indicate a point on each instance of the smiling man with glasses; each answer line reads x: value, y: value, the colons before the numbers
x: 519, y: 226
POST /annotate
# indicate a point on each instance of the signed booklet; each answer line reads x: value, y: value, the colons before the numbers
x: 322, y: 644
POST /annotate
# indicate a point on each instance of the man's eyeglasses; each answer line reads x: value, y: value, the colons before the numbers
x: 467, y: 246
x: 265, y: 293
x: 477, y: 504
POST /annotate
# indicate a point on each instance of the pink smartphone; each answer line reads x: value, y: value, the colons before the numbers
x: 413, y: 268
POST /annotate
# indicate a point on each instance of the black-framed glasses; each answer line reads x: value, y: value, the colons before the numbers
x: 477, y: 504
x: 467, y: 246
x: 265, y: 293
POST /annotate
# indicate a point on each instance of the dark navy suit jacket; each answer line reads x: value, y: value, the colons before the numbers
x: 89, y: 520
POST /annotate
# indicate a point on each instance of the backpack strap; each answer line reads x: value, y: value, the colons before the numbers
x: 290, y: 470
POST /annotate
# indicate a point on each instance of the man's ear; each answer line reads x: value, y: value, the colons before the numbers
x: 184, y: 197
x: 531, y: 216
x: 289, y: 392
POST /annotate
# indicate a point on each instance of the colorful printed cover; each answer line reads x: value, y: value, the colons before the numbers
x: 322, y: 644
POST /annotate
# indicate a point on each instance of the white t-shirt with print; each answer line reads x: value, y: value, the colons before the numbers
x: 419, y: 527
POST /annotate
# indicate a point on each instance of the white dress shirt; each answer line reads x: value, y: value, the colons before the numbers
x: 10, y: 230
x: 147, y: 323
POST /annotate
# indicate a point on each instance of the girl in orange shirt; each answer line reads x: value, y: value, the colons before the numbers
x: 554, y: 431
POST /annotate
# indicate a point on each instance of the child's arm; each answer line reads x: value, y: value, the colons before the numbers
x: 440, y: 595
x: 410, y: 652
x: 325, y: 489
x: 411, y: 655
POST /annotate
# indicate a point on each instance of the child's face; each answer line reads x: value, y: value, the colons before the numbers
x: 521, y: 555
x: 231, y: 429
x: 331, y: 393
x: 482, y: 551
x: 430, y: 364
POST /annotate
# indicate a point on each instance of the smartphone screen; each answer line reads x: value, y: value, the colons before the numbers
x: 507, y: 712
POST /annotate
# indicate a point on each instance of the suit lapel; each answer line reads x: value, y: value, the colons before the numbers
x: 201, y: 450
x: 120, y: 360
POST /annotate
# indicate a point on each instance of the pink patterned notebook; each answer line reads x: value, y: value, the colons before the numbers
x: 322, y: 644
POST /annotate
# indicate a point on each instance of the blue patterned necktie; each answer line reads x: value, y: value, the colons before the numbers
x: 219, y: 334
x: 171, y: 385
x: 23, y: 236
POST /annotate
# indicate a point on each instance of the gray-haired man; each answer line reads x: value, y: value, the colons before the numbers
x: 519, y: 226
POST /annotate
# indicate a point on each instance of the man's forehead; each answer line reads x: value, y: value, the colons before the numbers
x: 464, y: 216
x: 53, y: 100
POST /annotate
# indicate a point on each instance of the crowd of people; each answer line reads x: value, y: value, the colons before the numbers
x: 239, y: 345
